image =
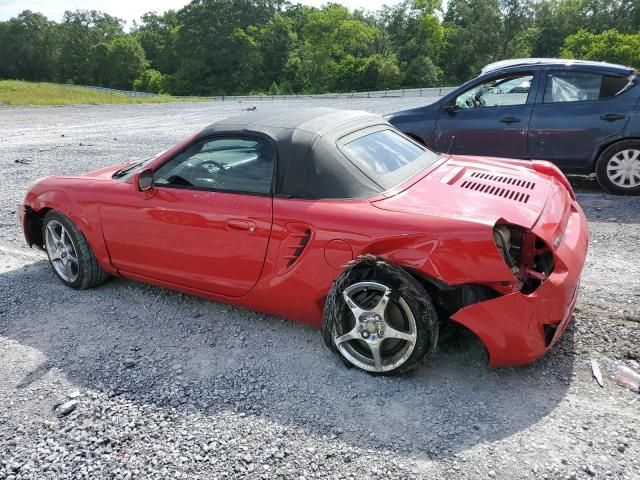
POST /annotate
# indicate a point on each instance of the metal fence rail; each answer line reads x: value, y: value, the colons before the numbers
x: 406, y: 92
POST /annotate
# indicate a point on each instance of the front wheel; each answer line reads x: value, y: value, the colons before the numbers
x: 379, y: 318
x: 618, y: 168
x: 71, y: 257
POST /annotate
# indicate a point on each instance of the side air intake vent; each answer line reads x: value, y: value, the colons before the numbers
x: 295, y: 239
x: 303, y: 240
x: 497, y: 190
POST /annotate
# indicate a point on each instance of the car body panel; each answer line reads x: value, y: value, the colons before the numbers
x: 569, y: 134
x: 280, y: 255
x: 214, y: 241
x: 483, y: 131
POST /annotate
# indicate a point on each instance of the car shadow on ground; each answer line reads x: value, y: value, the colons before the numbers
x: 170, y: 350
x: 585, y: 183
x: 601, y: 206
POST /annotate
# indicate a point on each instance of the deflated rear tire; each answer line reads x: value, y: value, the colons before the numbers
x: 70, y: 256
x: 378, y: 318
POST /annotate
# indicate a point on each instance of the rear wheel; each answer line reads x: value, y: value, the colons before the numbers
x: 618, y: 168
x: 70, y: 256
x: 379, y: 319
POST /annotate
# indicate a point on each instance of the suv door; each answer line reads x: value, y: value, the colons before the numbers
x: 206, y: 222
x: 489, y: 118
x: 576, y: 112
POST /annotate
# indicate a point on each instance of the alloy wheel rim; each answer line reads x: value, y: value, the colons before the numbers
x: 375, y: 333
x: 623, y: 169
x: 62, y: 252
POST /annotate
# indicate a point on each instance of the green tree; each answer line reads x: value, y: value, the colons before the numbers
x: 347, y: 74
x: 416, y: 36
x: 609, y: 46
x: 381, y: 73
x: 240, y: 46
x: 275, y: 42
x: 157, y: 35
x: 79, y: 31
x: 473, y: 33
x: 629, y: 16
x: 98, y: 64
x: 151, y: 81
x: 555, y: 20
x: 126, y: 62
x: 213, y: 46
x: 329, y: 35
x: 421, y: 72
x: 28, y: 47
x: 517, y: 17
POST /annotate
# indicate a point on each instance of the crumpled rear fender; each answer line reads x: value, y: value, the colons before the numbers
x: 456, y: 252
x: 512, y: 327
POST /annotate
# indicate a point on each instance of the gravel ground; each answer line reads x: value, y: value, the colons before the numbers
x: 132, y: 381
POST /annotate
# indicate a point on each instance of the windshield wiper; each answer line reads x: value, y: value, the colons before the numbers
x: 131, y: 166
x: 124, y: 170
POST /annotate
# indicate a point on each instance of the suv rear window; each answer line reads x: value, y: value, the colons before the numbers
x: 580, y: 86
x: 387, y: 157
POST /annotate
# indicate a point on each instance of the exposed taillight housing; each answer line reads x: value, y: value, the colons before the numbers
x: 528, y: 257
x: 508, y: 239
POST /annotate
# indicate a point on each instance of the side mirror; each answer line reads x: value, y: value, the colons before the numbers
x: 145, y: 180
x: 450, y: 107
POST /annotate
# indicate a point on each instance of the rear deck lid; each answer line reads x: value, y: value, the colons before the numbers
x: 480, y: 189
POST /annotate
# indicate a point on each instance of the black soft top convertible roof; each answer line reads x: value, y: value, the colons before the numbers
x: 309, y: 163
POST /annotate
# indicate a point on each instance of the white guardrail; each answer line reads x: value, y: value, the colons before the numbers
x: 405, y: 92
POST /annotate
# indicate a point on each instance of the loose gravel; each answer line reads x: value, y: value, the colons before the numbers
x: 133, y: 381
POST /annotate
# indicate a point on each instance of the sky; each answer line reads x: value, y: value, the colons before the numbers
x: 130, y: 10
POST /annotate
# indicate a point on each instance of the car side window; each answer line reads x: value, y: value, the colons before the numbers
x: 497, y: 92
x: 570, y: 86
x: 233, y: 164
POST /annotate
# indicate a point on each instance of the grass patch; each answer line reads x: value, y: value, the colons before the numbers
x: 15, y: 92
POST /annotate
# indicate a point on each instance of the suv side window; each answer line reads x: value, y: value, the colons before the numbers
x: 567, y: 86
x: 497, y: 92
x: 233, y: 164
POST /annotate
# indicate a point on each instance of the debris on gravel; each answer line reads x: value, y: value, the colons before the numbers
x: 67, y: 407
x: 132, y: 381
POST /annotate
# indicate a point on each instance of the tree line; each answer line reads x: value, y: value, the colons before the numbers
x: 224, y: 47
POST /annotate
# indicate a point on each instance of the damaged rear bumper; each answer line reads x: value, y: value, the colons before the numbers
x: 517, y: 329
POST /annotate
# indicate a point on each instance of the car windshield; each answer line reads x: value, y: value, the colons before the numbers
x: 387, y: 157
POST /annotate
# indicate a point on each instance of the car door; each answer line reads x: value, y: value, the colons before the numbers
x: 205, y: 223
x: 576, y: 112
x: 491, y: 117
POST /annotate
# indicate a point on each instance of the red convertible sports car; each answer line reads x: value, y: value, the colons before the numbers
x: 336, y: 219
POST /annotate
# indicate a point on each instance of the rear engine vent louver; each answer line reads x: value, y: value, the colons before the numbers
x: 500, y: 186
x: 497, y: 191
x: 514, y: 182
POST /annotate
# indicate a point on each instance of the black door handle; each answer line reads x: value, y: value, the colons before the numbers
x: 510, y: 119
x: 612, y: 117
